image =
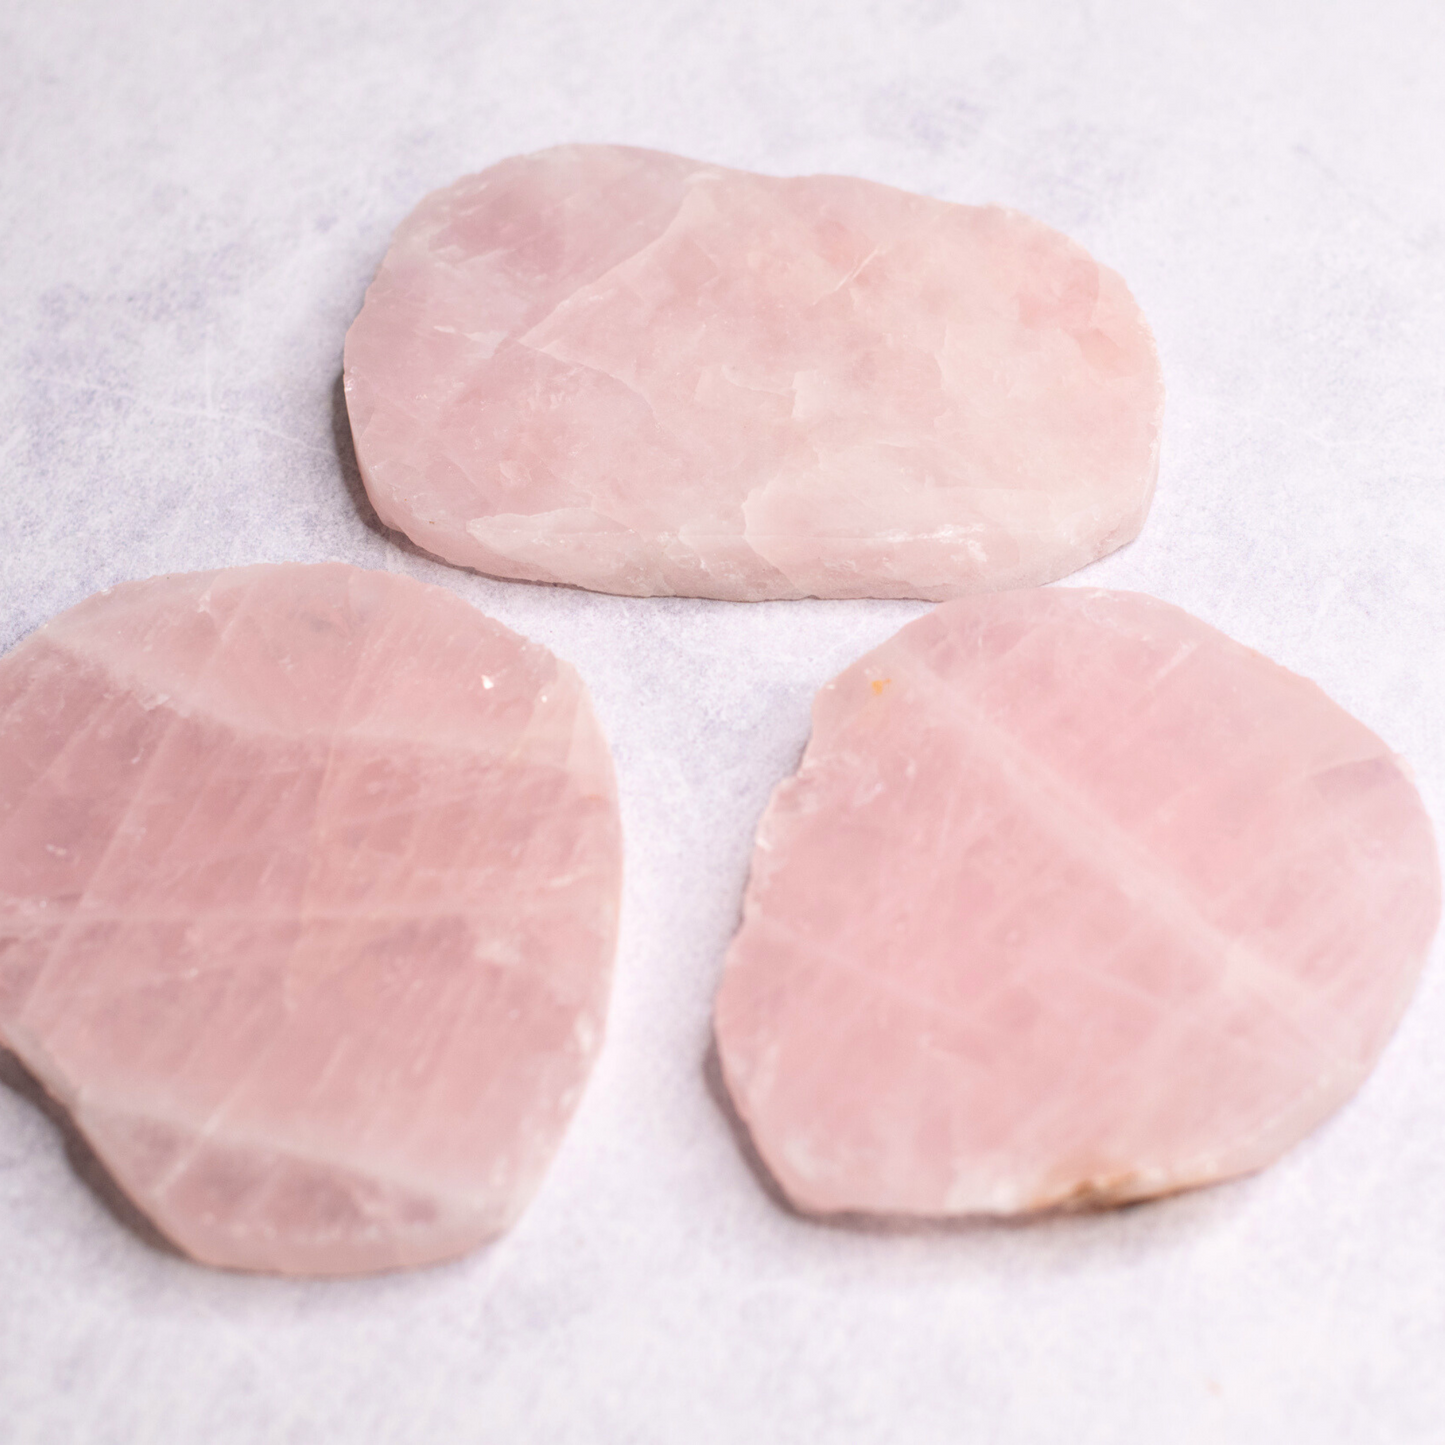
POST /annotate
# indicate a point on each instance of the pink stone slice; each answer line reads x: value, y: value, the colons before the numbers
x: 1073, y: 900
x: 309, y: 881
x: 641, y: 374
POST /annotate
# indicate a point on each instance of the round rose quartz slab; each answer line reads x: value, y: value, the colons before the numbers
x: 309, y: 881
x: 641, y: 374
x: 1072, y: 901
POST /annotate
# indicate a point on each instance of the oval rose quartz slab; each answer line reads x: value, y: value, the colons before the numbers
x: 309, y: 882
x: 1073, y: 900
x: 641, y: 374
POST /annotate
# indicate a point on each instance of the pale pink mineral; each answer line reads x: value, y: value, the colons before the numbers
x: 642, y: 374
x: 308, y: 895
x: 1072, y: 900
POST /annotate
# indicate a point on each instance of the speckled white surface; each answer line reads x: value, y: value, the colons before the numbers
x: 192, y: 198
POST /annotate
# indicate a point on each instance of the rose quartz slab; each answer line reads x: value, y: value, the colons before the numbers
x: 1073, y: 900
x: 309, y: 882
x: 642, y: 374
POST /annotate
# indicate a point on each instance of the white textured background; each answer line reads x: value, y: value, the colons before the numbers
x: 192, y: 199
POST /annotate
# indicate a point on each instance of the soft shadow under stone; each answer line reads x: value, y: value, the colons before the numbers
x: 82, y: 1158
x: 351, y: 472
x: 712, y: 1076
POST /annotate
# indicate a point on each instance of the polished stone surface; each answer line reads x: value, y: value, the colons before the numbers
x: 639, y: 373
x: 1072, y: 901
x: 308, y: 898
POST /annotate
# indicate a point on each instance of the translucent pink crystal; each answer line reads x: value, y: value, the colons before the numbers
x: 641, y: 374
x: 308, y: 891
x: 1072, y: 900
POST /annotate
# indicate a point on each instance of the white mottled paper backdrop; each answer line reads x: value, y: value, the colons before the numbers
x: 192, y: 200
